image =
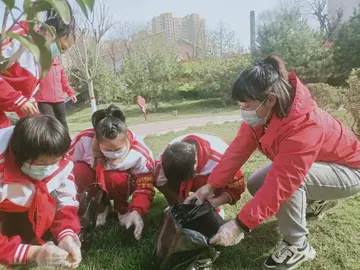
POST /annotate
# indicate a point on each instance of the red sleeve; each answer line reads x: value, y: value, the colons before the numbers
x: 10, y: 99
x: 65, y: 84
x: 143, y: 194
x: 66, y: 222
x: 12, y: 251
x: 296, y: 155
x: 234, y: 157
x: 236, y: 187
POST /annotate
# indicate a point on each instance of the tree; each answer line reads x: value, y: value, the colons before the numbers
x: 347, y: 49
x: 35, y: 42
x: 215, y: 76
x: 87, y: 48
x: 221, y: 41
x: 329, y: 22
x: 151, y: 70
x: 119, y: 45
x: 289, y: 34
x: 106, y: 84
x: 352, y: 97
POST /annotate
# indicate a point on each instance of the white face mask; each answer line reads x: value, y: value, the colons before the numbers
x: 251, y: 118
x: 38, y: 172
x: 115, y: 154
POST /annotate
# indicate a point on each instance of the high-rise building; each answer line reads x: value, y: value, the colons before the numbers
x: 193, y: 29
x: 164, y: 22
x: 190, y: 28
x: 348, y: 7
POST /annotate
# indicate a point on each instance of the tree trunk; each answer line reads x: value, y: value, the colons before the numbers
x: 92, y: 96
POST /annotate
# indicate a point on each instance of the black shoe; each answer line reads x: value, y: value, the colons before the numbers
x: 289, y: 257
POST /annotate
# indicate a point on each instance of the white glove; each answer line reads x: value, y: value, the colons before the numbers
x: 166, y: 209
x: 206, y: 192
x: 50, y: 255
x: 72, y: 245
x: 130, y: 219
x: 228, y: 234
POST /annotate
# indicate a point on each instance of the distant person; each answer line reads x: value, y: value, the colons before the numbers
x: 38, y: 195
x: 140, y: 101
x: 127, y: 164
x: 315, y: 160
x: 20, y: 80
x: 185, y: 166
x: 51, y: 94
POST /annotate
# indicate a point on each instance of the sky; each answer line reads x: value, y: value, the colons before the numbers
x: 235, y: 13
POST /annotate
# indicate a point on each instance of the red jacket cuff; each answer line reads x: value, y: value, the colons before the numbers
x: 247, y: 220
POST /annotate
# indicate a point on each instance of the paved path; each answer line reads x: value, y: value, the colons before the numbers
x: 162, y: 127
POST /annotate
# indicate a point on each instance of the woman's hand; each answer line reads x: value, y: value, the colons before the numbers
x: 229, y: 234
x: 206, y: 192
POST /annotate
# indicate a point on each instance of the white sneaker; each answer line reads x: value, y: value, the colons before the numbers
x: 288, y: 257
x: 317, y: 209
x: 101, y: 218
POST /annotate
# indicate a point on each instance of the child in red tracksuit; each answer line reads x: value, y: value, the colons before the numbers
x: 37, y: 194
x: 127, y: 163
x: 20, y: 81
x: 186, y: 164
x: 51, y: 95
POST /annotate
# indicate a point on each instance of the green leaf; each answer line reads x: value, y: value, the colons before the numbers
x: 3, y: 66
x: 83, y: 7
x: 90, y: 4
x: 9, y: 4
x: 39, y: 6
x: 27, y: 43
x: 27, y: 6
x: 45, y: 58
x: 62, y: 9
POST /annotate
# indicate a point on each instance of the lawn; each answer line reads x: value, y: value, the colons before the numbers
x: 80, y: 119
x: 336, y: 238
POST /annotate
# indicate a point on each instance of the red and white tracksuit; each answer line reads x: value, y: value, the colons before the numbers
x: 210, y: 150
x: 133, y: 176
x: 30, y: 208
x: 20, y: 81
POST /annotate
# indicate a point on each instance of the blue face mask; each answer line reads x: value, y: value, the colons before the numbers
x: 115, y: 154
x: 38, y: 172
x: 54, y: 49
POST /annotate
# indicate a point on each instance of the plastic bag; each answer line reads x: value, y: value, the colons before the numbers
x: 88, y: 206
x: 183, y: 239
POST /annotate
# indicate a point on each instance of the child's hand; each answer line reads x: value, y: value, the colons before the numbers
x: 131, y: 219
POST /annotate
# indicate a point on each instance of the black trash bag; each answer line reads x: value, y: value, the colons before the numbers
x: 184, y: 236
x: 88, y: 206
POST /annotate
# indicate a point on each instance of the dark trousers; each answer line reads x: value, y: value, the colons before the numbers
x: 54, y: 109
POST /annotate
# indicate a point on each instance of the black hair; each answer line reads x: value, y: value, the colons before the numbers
x: 109, y: 123
x: 268, y: 76
x: 62, y: 29
x: 36, y: 136
x: 178, y: 161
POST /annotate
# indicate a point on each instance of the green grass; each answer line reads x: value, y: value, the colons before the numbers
x: 80, y: 119
x: 336, y: 238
